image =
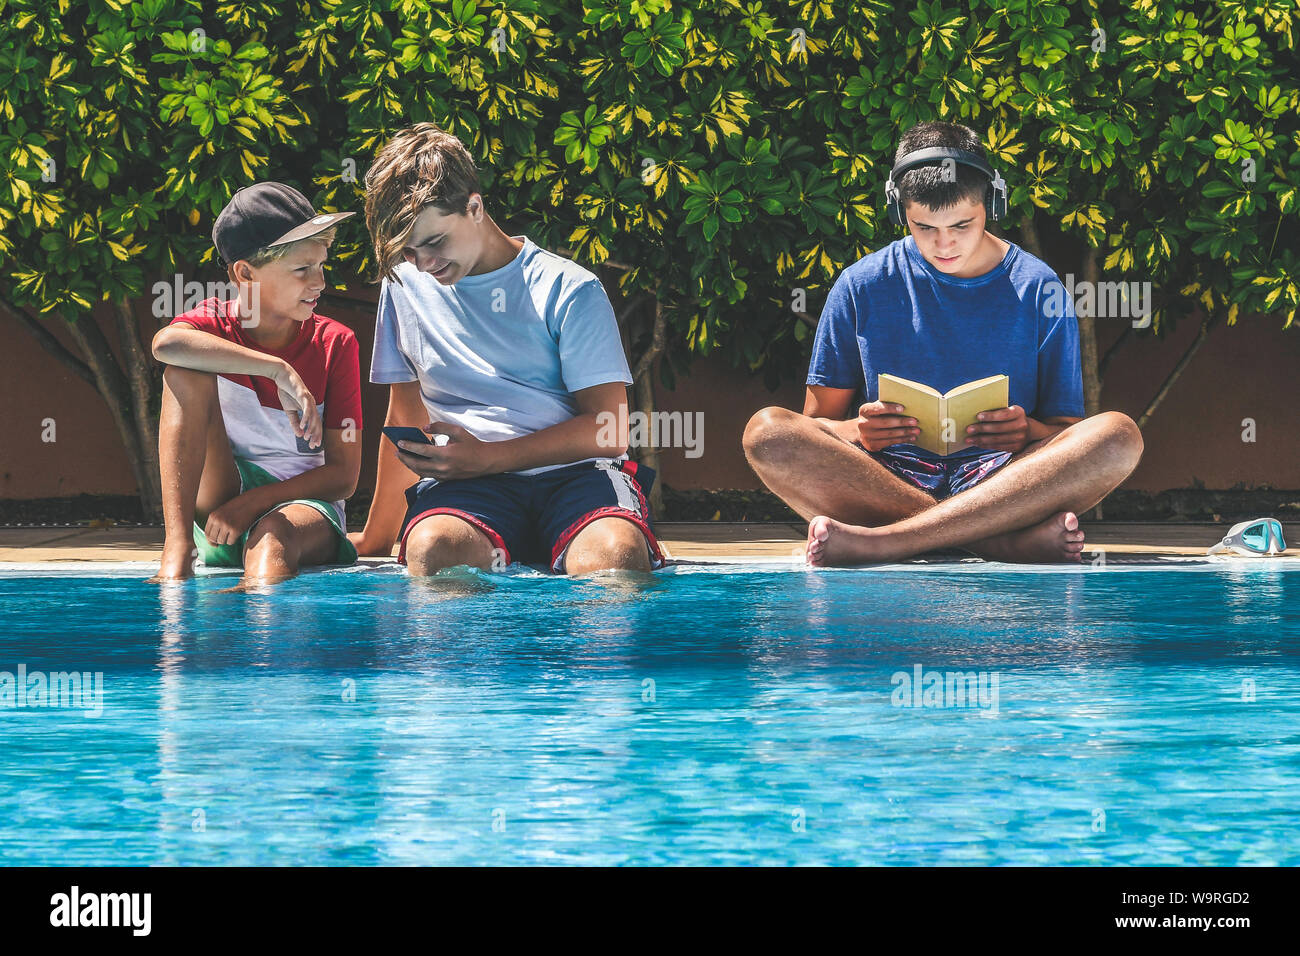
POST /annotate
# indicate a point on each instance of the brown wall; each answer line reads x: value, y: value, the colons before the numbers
x: 1248, y: 371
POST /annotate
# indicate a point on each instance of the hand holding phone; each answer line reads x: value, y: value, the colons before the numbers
x: 449, y: 454
x: 396, y: 433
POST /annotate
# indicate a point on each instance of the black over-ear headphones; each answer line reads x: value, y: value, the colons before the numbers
x: 995, y: 200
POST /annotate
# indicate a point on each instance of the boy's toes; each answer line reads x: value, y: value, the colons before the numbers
x: 819, y: 529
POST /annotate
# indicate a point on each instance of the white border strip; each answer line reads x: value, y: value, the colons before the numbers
x: 720, y: 564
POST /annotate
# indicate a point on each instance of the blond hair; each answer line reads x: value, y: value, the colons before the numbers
x: 269, y: 254
x: 420, y: 166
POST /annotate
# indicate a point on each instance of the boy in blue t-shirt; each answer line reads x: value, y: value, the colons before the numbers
x: 948, y: 304
x: 514, y: 355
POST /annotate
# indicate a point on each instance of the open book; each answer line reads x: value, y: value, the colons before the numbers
x: 943, y: 419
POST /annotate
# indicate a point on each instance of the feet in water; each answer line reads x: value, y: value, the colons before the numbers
x: 1055, y: 540
x: 177, y: 564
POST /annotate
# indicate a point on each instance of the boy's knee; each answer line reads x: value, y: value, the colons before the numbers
x: 444, y: 541
x: 1123, y: 439
x: 271, y: 534
x: 610, y: 544
x: 768, y: 430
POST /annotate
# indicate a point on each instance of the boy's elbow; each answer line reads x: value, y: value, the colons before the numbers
x: 611, y: 446
x: 159, y: 345
x: 612, y: 439
x: 350, y: 480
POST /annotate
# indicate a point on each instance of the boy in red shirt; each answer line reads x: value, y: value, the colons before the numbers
x: 259, y: 440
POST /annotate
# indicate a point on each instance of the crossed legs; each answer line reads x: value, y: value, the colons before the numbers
x: 860, y: 512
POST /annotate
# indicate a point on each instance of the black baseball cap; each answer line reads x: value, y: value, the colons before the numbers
x: 266, y: 214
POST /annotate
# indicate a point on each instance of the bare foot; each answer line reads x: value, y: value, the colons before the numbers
x: 1054, y: 540
x: 1058, y: 539
x: 177, y: 565
x: 832, y: 543
x: 256, y: 584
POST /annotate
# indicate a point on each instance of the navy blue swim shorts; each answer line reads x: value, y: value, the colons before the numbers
x: 941, y: 477
x: 533, y: 518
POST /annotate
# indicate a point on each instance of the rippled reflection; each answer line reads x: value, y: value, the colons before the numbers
x: 680, y: 717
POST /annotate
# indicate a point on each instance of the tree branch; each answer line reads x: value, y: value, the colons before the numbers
x: 630, y: 307
x: 1029, y: 234
x: 656, y: 346
x: 137, y: 364
x: 112, y: 386
x: 45, y: 338
x: 643, y: 390
x: 1206, y: 324
x: 1110, y: 353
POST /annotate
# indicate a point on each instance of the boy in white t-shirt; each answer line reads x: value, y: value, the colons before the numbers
x: 514, y: 354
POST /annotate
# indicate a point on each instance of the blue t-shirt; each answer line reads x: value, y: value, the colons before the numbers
x: 501, y: 353
x: 895, y: 313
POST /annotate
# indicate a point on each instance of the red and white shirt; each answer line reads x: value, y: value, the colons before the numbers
x: 324, y: 354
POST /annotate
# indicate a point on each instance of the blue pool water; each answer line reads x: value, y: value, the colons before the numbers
x: 1139, y: 716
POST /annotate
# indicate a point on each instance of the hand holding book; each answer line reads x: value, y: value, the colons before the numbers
x: 972, y: 415
x: 881, y: 424
x: 1000, y: 429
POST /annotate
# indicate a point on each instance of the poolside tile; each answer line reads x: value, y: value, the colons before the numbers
x: 684, y: 540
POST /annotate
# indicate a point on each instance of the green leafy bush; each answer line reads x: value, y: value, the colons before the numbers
x: 722, y: 160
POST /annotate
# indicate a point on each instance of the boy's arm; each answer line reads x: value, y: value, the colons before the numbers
x: 183, y: 345
x: 388, y: 506
x: 1010, y: 429
x: 1038, y: 430
x: 828, y: 407
x: 599, y: 430
x: 332, y: 481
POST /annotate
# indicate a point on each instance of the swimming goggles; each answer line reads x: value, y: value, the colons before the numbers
x: 1260, y: 536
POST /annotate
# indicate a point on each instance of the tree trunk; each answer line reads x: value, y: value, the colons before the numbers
x: 1088, y: 342
x: 1088, y: 358
x: 644, y: 397
x: 115, y: 388
x: 1029, y: 235
x: 127, y: 393
x: 143, y: 383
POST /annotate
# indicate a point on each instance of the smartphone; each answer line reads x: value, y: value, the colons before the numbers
x: 396, y: 433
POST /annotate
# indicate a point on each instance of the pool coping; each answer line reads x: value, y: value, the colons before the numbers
x: 731, y: 543
x: 719, y: 564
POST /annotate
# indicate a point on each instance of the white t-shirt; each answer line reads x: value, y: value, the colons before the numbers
x: 501, y: 353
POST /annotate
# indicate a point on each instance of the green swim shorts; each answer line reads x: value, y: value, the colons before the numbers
x: 232, y: 555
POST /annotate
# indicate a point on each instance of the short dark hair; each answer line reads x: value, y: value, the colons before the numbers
x: 925, y: 184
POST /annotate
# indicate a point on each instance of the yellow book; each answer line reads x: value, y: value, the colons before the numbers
x: 943, y: 419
